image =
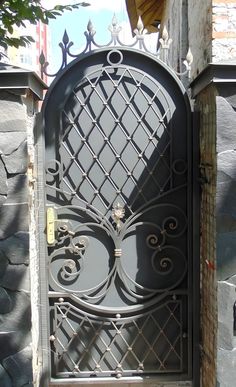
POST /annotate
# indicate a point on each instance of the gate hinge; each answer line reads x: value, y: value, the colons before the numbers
x: 205, y: 171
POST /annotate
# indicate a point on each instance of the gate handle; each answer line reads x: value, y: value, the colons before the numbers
x: 50, y: 228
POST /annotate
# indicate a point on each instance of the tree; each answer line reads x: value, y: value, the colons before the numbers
x: 18, y: 12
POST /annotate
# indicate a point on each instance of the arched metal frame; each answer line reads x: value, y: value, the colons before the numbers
x: 119, y: 181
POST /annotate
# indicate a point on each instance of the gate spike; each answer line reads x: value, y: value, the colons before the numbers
x: 90, y: 28
x: 114, y: 21
x: 140, y: 25
x: 189, y: 57
x: 65, y: 38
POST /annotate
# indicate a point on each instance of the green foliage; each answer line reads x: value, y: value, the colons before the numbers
x: 17, y: 12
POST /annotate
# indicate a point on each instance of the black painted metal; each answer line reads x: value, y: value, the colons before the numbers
x: 119, y: 176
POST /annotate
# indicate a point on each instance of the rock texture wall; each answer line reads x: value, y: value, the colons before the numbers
x: 226, y: 235
x: 15, y: 307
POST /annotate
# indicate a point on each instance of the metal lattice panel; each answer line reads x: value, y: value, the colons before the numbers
x: 89, y: 346
x: 118, y: 220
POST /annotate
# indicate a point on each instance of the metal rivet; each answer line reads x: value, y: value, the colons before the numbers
x: 96, y: 192
x: 83, y: 139
x: 106, y: 174
x: 61, y: 299
x: 140, y: 155
x: 118, y: 315
x: 129, y: 174
x: 119, y: 375
x: 105, y: 138
x: 128, y: 138
x: 150, y: 138
x: 52, y: 338
x: 118, y: 191
x: 95, y: 157
x: 117, y: 156
x: 84, y: 174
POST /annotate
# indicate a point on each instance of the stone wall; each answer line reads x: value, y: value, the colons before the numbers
x: 205, y: 104
x: 15, y: 303
x: 15, y: 316
x: 226, y: 234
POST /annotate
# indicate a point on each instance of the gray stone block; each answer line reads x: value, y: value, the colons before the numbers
x: 13, y: 218
x: 19, y: 367
x: 6, y: 304
x: 17, y: 161
x: 10, y: 142
x: 226, y: 368
x: 226, y: 255
x: 13, y: 114
x: 16, y: 277
x: 3, y: 263
x: 226, y: 162
x: 18, y: 189
x: 5, y: 380
x: 16, y: 248
x: 19, y: 318
x: 226, y: 198
x: 226, y: 124
x: 226, y: 300
x: 3, y: 178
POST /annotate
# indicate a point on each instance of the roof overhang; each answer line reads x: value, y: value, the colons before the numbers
x: 151, y: 12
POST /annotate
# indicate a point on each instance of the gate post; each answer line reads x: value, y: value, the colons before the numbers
x: 20, y: 90
x: 214, y: 90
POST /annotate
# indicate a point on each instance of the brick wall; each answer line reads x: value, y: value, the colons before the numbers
x: 205, y: 104
x: 223, y: 30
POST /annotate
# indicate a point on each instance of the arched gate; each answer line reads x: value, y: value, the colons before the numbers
x: 119, y: 225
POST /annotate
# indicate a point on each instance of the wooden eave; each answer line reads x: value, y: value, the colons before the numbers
x: 151, y: 12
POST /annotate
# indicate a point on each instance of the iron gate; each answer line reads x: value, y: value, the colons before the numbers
x: 119, y: 218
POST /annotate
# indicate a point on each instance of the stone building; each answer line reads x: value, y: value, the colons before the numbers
x: 208, y: 28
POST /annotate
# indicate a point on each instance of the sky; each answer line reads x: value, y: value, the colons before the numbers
x: 100, y: 12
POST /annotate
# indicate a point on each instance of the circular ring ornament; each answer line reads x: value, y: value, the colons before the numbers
x: 114, y: 57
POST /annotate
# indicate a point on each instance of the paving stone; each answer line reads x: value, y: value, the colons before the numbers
x: 17, y: 161
x: 10, y: 142
x: 5, y: 380
x: 6, y: 304
x: 19, y: 367
x: 16, y: 248
x: 13, y: 218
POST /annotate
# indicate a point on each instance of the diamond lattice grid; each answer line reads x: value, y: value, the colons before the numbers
x: 116, y: 140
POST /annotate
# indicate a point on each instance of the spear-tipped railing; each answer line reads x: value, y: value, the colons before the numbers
x: 115, y: 29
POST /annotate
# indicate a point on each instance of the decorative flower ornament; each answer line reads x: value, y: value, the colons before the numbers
x: 118, y: 213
